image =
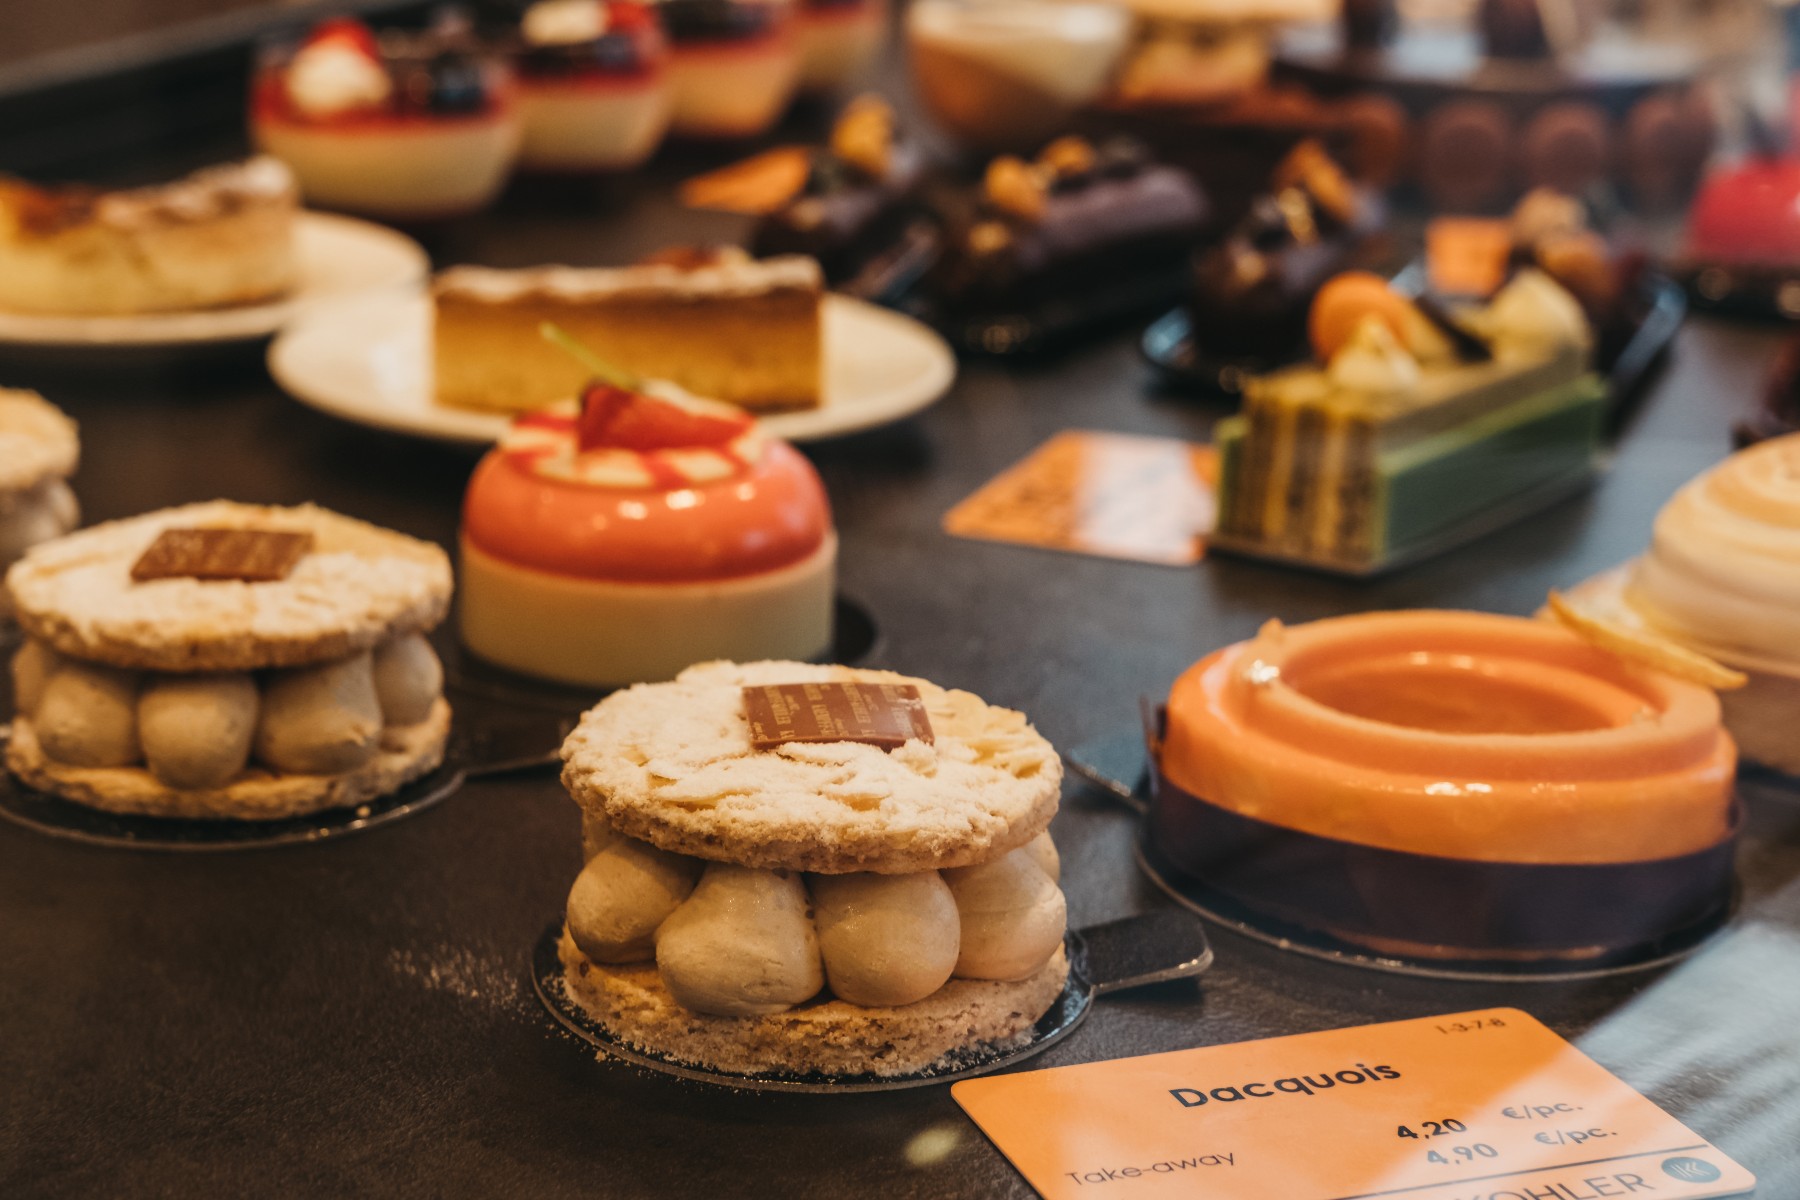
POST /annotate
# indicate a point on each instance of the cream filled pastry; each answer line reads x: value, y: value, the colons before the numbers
x: 1722, y: 578
x: 225, y: 660
x: 824, y: 870
x: 38, y: 452
x: 649, y: 531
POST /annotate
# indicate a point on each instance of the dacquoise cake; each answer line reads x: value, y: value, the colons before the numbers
x: 809, y: 869
x: 228, y: 660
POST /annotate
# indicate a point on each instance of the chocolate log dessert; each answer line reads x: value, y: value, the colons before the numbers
x: 860, y: 198
x: 1077, y: 217
x: 1252, y: 292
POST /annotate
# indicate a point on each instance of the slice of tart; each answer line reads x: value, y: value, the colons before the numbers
x: 221, y: 236
x: 718, y: 324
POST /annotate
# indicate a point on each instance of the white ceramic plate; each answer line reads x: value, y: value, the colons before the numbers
x: 338, y: 257
x: 369, y: 361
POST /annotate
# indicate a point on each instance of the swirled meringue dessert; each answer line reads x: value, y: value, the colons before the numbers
x: 1722, y: 578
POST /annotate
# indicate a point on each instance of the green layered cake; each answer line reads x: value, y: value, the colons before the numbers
x: 1318, y: 470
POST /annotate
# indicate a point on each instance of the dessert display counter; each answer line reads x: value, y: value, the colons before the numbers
x: 358, y: 1017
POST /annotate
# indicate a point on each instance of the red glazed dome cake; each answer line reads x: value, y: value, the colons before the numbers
x: 650, y: 531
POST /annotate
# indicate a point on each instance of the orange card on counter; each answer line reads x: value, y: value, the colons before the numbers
x: 1487, y: 1105
x: 1116, y: 495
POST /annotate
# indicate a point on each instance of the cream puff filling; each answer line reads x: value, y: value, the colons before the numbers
x: 730, y: 940
x: 203, y: 730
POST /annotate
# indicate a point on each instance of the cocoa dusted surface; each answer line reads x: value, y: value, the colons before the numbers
x: 356, y: 1017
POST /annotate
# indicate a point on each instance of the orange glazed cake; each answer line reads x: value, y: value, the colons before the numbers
x: 723, y: 326
x: 1449, y: 784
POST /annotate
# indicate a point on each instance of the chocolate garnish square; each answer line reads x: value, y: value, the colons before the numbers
x: 250, y: 555
x: 885, y: 715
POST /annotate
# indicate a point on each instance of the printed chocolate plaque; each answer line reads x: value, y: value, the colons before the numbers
x: 876, y: 714
x: 250, y: 555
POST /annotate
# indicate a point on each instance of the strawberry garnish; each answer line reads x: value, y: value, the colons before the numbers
x: 347, y: 31
x: 624, y: 16
x: 618, y: 419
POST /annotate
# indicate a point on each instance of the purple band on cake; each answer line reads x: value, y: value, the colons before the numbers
x: 1441, y: 909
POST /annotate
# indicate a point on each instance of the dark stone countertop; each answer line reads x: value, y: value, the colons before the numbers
x: 355, y: 1017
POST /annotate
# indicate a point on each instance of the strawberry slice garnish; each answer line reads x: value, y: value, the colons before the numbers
x: 617, y: 419
x: 625, y: 16
x: 347, y: 31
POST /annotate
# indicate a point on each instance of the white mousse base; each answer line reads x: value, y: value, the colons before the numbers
x: 598, y: 633
x: 405, y: 173
x: 732, y: 93
x: 579, y: 127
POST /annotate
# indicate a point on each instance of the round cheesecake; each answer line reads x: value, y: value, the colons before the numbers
x: 172, y: 669
x: 733, y: 65
x: 838, y: 40
x: 1722, y: 577
x: 824, y: 906
x: 620, y: 546
x: 592, y: 84
x: 405, y: 129
x: 1434, y: 763
x: 38, y: 452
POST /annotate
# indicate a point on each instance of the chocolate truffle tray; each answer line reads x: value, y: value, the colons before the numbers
x: 1051, y: 323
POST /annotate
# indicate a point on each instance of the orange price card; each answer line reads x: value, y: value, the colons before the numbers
x: 1116, y: 495
x: 1487, y: 1105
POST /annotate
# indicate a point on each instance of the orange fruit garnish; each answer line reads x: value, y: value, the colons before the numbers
x: 1644, y: 648
x: 1342, y: 304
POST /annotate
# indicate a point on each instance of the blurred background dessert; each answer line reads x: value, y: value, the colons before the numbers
x: 594, y: 92
x: 733, y: 65
x: 407, y: 126
x: 1008, y: 74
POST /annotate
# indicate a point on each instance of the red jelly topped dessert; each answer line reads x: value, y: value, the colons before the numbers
x: 593, y: 85
x: 1748, y: 214
x: 734, y: 66
x: 838, y: 40
x: 402, y: 126
x: 649, y: 531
